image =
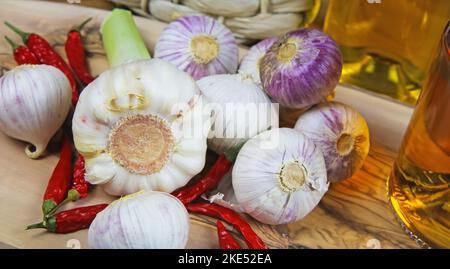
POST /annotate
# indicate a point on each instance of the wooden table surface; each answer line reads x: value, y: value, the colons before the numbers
x: 353, y: 214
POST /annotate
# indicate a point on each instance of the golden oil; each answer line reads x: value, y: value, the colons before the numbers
x: 387, y: 44
x: 419, y: 187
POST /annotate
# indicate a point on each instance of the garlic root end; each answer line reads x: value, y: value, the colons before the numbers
x: 34, y: 151
x: 345, y: 144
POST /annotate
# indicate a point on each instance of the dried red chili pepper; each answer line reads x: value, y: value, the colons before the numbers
x: 47, y: 55
x: 226, y: 240
x: 216, y: 211
x: 75, y: 54
x: 59, y: 182
x: 22, y: 54
x: 79, y: 185
x: 70, y: 220
x: 208, y: 182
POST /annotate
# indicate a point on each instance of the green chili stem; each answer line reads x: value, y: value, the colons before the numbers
x: 72, y: 195
x: 36, y: 226
x: 13, y: 44
x: 80, y: 27
x: 23, y: 35
x: 231, y: 154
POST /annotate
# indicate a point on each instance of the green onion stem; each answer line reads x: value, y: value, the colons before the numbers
x: 121, y: 38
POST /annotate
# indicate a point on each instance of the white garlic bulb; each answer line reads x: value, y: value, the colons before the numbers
x: 144, y: 220
x: 241, y: 109
x: 141, y: 126
x: 34, y: 102
x: 279, y: 176
x: 199, y: 45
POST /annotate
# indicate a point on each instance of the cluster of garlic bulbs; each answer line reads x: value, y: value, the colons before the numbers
x: 143, y: 126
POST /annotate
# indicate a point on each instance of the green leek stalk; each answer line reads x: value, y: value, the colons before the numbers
x: 121, y: 38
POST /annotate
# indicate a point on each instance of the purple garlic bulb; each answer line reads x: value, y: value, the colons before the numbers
x: 341, y: 133
x: 301, y: 69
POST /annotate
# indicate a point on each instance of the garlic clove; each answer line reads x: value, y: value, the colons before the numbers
x: 173, y: 171
x: 100, y: 169
x: 94, y: 119
x: 116, y: 186
x: 186, y: 163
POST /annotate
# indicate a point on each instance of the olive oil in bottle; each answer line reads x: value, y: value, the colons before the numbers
x: 419, y: 187
x: 387, y: 44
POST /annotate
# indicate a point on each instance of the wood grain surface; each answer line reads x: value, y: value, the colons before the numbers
x: 353, y: 214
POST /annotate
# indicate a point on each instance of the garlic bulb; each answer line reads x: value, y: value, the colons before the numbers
x: 198, y: 45
x: 301, y: 69
x: 342, y: 134
x: 241, y: 109
x: 141, y: 125
x: 279, y: 176
x: 144, y: 220
x: 34, y: 102
x: 251, y: 61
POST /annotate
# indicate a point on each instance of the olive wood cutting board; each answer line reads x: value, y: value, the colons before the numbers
x: 353, y: 214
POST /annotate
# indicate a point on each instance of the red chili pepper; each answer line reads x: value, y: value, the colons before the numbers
x: 59, y: 182
x: 22, y: 54
x: 79, y: 185
x: 223, y: 164
x: 216, y: 211
x: 75, y: 54
x: 226, y: 240
x: 70, y: 220
x: 47, y: 55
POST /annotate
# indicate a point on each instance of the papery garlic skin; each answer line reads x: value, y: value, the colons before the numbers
x: 145, y: 220
x: 229, y: 96
x: 250, y: 63
x: 223, y: 194
x: 34, y: 102
x: 301, y: 69
x: 141, y: 126
x: 342, y: 134
x: 199, y: 45
x: 279, y: 176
